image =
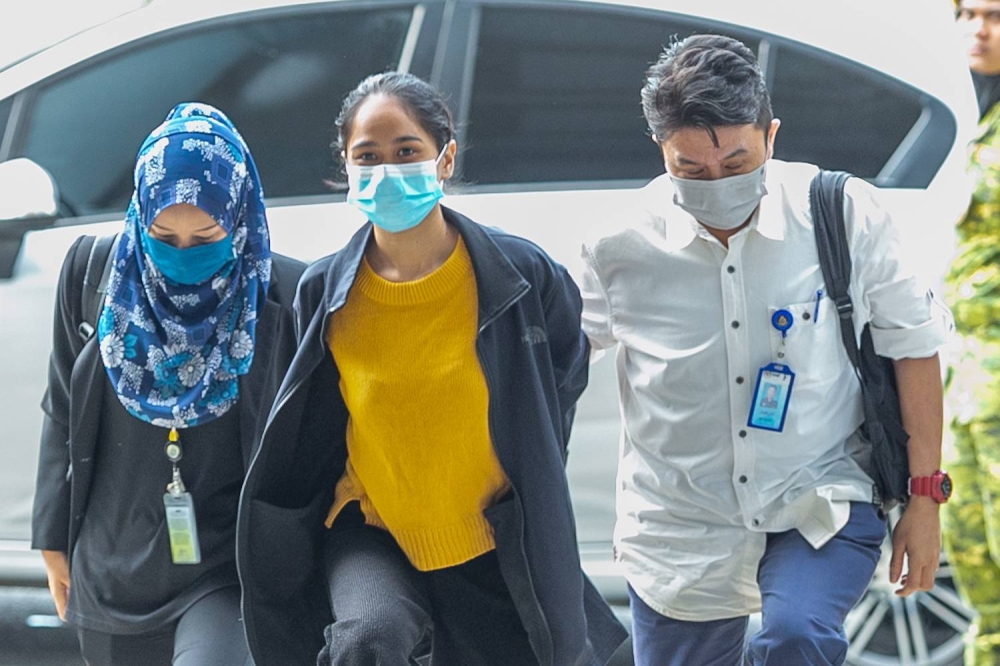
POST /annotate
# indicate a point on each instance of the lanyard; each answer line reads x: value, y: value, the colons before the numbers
x: 174, y: 453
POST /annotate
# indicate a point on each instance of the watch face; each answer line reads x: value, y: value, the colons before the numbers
x: 945, y: 486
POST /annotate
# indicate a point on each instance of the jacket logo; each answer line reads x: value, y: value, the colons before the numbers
x: 534, y: 335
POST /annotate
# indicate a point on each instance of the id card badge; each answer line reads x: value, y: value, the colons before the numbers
x: 771, y: 397
x: 182, y: 528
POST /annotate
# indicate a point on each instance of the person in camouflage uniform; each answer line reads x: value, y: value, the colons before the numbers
x: 971, y: 519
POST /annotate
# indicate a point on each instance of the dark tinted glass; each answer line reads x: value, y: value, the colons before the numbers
x: 837, y: 114
x: 556, y: 94
x: 279, y: 78
x: 555, y: 97
x: 5, y: 106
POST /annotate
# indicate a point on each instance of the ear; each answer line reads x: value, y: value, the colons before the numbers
x: 661, y: 148
x: 772, y: 131
x: 446, y: 167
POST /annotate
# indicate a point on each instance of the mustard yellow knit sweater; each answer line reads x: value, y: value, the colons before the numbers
x: 419, y: 455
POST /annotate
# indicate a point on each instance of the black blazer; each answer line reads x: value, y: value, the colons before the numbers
x: 72, y: 402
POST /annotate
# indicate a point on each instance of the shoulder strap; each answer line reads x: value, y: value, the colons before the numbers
x: 95, y: 283
x: 826, y: 200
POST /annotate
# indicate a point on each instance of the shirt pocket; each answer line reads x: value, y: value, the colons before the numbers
x: 812, y: 346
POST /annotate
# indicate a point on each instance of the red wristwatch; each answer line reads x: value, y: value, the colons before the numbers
x: 937, y: 486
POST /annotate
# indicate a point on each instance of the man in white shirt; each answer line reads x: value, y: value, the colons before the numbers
x: 711, y: 290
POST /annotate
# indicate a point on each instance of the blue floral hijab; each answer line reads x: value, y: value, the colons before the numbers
x: 174, y: 352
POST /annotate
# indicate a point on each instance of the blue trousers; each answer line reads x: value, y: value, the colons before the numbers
x: 805, y: 596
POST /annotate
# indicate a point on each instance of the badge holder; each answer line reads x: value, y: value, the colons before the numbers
x: 770, y: 401
x: 181, y: 524
x: 773, y: 391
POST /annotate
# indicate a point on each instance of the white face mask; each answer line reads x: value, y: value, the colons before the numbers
x: 722, y: 204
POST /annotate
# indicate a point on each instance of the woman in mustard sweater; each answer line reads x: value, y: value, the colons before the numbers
x: 424, y: 421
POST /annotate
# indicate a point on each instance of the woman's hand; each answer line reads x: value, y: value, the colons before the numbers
x: 57, y: 568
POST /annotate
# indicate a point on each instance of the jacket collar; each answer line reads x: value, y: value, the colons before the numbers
x: 498, y: 282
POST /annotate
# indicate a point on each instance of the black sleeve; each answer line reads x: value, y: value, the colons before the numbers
x: 50, y: 515
x: 308, y: 297
x: 568, y: 344
x: 268, y: 370
x: 288, y: 271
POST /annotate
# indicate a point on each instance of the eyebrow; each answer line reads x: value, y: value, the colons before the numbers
x: 685, y: 161
x: 196, y: 231
x: 401, y: 139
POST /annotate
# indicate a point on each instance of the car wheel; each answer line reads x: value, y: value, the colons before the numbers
x: 924, y: 629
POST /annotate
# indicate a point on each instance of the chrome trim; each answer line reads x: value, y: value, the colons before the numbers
x: 412, y: 35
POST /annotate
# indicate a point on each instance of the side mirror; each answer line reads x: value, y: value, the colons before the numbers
x: 29, y: 200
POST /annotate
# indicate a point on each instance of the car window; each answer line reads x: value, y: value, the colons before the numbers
x: 555, y: 98
x: 838, y: 114
x: 555, y: 94
x: 280, y: 79
x: 5, y: 106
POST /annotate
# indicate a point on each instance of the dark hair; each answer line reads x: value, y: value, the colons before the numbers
x: 705, y: 81
x: 420, y: 99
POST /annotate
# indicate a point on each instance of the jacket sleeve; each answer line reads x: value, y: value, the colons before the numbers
x: 568, y: 345
x: 50, y: 514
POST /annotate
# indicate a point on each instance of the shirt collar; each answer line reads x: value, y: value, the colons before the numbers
x: 769, y: 219
x: 675, y: 228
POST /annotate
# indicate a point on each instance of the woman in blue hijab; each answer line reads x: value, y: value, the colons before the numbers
x: 150, y: 424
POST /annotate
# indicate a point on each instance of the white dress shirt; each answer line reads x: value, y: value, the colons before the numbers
x: 697, y: 488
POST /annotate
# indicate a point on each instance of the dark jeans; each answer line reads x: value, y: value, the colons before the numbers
x: 805, y: 596
x: 209, y: 633
x: 384, y: 608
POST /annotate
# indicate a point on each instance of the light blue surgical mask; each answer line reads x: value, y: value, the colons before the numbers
x: 395, y: 197
x: 191, y: 265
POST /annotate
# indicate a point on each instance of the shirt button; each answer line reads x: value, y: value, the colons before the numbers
x: 743, y: 433
x: 743, y: 479
x: 755, y: 522
x: 730, y: 269
x: 739, y: 380
x: 735, y: 324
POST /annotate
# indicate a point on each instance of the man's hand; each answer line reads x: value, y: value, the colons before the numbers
x: 57, y: 568
x: 918, y: 537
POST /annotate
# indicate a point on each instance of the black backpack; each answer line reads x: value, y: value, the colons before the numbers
x: 882, y: 428
x: 95, y: 280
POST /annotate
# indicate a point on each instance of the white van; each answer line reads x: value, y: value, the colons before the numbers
x: 546, y: 95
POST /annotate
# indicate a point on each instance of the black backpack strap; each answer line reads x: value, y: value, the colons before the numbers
x: 95, y: 283
x: 826, y: 200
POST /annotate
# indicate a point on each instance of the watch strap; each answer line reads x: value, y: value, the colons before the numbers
x: 921, y: 485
